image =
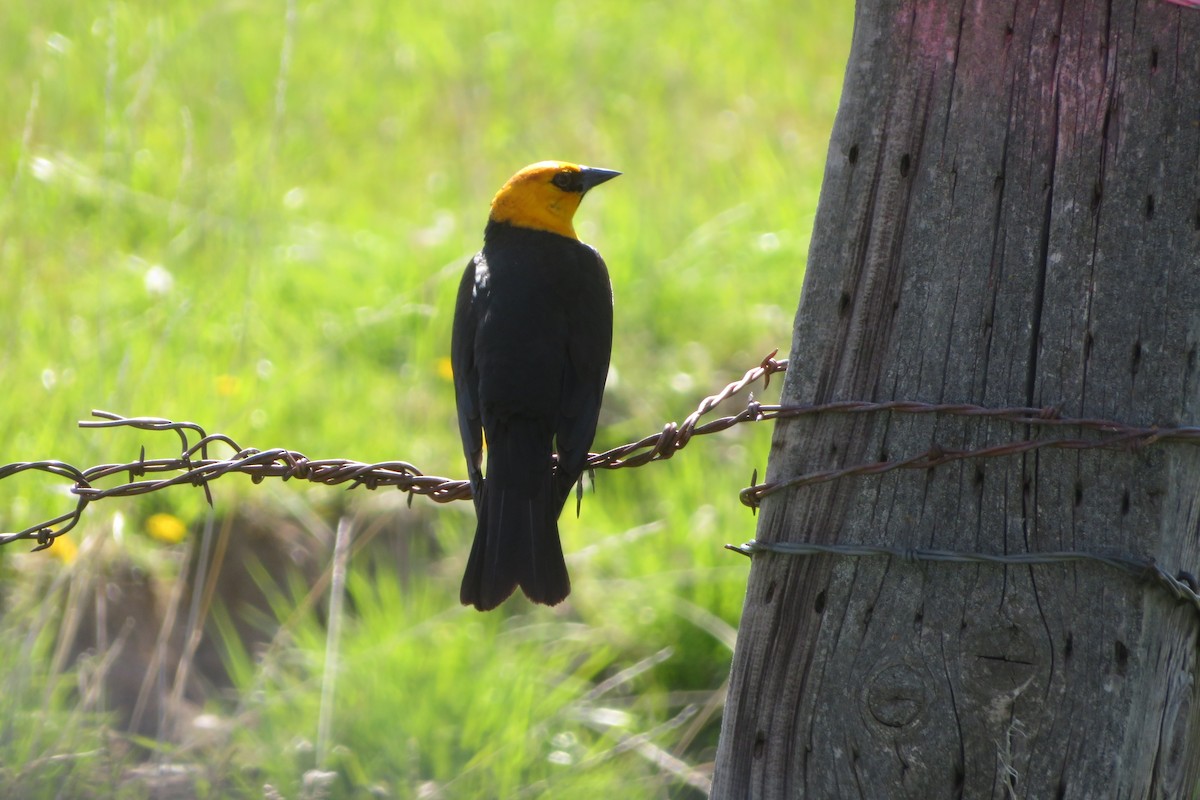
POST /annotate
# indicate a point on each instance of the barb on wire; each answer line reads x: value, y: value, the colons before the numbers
x: 194, y: 466
x: 1182, y: 586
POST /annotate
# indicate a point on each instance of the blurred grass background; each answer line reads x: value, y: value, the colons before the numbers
x: 254, y: 216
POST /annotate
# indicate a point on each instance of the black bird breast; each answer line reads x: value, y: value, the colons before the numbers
x: 532, y: 339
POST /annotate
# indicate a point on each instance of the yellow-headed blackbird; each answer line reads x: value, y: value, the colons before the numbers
x: 530, y: 348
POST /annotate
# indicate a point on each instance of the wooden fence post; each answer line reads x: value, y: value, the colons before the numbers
x: 1010, y: 216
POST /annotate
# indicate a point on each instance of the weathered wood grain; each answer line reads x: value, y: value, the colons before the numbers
x: 1010, y: 216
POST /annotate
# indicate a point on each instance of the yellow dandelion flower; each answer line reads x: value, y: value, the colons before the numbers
x: 444, y: 369
x: 65, y: 549
x: 166, y: 528
x: 228, y: 385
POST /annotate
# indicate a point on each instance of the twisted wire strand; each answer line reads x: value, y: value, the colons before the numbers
x: 1182, y: 585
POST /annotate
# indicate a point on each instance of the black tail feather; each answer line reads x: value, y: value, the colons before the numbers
x: 516, y: 536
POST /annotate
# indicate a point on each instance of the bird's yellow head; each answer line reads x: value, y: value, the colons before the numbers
x: 545, y: 195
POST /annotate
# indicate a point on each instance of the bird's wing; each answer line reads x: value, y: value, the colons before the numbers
x: 466, y: 374
x: 589, y: 348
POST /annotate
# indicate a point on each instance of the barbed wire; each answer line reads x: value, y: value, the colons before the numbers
x: 1111, y: 435
x: 194, y: 467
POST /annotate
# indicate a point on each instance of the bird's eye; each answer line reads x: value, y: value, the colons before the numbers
x: 568, y: 181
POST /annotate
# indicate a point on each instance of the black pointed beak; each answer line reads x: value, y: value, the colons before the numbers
x: 594, y: 176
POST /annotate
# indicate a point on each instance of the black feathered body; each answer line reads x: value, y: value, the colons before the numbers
x: 531, y: 345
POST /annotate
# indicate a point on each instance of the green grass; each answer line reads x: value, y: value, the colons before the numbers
x: 188, y: 230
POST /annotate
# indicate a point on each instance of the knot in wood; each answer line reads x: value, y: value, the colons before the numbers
x: 896, y: 696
